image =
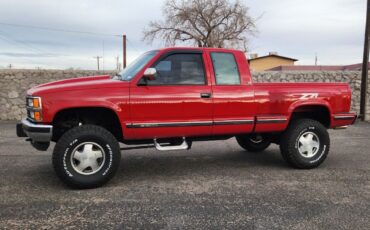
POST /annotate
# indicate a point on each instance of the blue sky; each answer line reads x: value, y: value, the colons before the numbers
x: 334, y: 29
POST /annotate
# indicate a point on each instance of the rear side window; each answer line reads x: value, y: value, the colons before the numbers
x: 225, y: 68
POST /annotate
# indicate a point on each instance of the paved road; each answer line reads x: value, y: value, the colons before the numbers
x: 215, y: 185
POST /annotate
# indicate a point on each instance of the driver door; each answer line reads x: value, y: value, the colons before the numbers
x: 177, y: 102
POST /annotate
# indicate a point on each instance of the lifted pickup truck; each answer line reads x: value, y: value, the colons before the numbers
x: 173, y: 97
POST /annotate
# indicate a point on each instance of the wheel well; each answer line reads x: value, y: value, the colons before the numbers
x: 315, y: 112
x: 69, y: 118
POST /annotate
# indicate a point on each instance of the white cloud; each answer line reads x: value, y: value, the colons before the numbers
x: 333, y: 28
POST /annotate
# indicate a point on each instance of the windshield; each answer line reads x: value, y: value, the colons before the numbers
x: 131, y: 70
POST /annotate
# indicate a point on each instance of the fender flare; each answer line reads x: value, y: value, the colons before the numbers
x: 93, y: 104
x: 315, y: 102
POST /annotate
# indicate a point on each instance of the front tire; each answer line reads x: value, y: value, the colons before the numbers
x: 305, y: 144
x: 86, y: 156
x: 254, y: 142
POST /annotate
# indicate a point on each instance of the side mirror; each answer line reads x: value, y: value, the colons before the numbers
x: 150, y: 73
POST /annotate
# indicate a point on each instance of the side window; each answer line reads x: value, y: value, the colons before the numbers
x: 180, y: 69
x: 225, y: 68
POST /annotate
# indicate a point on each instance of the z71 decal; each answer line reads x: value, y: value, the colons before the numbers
x: 306, y: 96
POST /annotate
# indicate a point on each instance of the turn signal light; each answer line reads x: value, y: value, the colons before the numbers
x: 36, y: 102
x: 37, y: 116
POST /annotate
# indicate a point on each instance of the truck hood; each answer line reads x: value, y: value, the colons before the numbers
x: 79, y: 83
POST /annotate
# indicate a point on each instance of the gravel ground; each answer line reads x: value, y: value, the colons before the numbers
x: 215, y: 185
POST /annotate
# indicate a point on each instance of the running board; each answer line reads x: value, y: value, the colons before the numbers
x: 184, y: 146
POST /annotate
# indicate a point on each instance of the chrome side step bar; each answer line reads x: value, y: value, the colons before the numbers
x: 184, y: 146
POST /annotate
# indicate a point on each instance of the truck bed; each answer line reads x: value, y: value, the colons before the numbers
x: 277, y: 98
x: 281, y: 99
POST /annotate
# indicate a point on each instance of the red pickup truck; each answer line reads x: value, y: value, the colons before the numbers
x: 172, y: 97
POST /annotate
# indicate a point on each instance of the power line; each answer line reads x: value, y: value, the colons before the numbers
x: 24, y: 44
x: 56, y: 29
x: 7, y: 40
x: 132, y: 45
x: 68, y: 31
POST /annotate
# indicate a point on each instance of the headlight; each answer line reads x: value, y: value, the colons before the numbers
x: 34, y: 108
x: 34, y: 102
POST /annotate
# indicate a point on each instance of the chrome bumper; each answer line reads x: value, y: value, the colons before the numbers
x: 36, y: 132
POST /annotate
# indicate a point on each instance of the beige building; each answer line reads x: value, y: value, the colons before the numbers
x: 270, y: 61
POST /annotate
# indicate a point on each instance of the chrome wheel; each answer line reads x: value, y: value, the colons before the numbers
x: 308, y: 144
x: 87, y: 158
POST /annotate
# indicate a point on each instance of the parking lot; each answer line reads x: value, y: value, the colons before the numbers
x: 214, y: 185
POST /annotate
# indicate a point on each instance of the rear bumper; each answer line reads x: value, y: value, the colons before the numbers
x: 36, y: 132
x: 344, y: 119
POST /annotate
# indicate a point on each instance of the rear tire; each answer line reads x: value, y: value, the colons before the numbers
x: 254, y: 142
x: 305, y: 144
x: 86, y: 156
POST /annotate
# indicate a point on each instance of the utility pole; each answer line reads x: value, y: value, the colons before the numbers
x: 118, y: 65
x: 98, y: 61
x: 103, y: 56
x: 365, y: 66
x: 124, y: 50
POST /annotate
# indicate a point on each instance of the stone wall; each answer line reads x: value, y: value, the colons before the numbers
x: 14, y: 84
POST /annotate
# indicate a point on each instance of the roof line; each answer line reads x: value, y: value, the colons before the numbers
x: 274, y: 55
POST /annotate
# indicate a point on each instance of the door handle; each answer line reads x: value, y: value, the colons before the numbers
x: 205, y: 95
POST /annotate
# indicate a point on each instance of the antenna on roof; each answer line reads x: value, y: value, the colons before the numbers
x: 316, y: 59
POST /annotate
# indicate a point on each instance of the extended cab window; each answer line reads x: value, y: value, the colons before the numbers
x: 180, y: 69
x: 225, y: 68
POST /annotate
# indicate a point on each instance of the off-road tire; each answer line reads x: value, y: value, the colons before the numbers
x: 290, y: 143
x: 70, y: 140
x: 247, y: 143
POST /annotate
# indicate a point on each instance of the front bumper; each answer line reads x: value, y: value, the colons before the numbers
x: 36, y: 132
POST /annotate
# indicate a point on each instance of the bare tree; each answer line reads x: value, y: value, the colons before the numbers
x: 205, y: 23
